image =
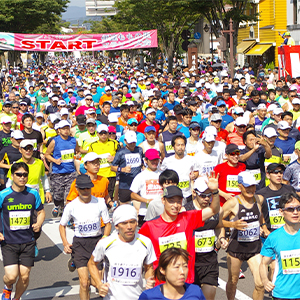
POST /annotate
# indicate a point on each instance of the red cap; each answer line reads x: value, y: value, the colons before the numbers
x: 112, y: 129
x: 152, y: 154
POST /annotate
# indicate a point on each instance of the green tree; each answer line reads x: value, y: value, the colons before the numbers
x: 31, y: 16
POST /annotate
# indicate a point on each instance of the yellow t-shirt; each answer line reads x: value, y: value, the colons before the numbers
x: 85, y: 139
x: 13, y: 119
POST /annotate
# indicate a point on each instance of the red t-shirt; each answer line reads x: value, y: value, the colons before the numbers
x: 222, y: 134
x: 165, y: 235
x: 143, y: 125
x: 234, y: 138
x: 228, y: 178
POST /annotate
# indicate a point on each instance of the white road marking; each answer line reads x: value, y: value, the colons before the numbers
x: 239, y: 295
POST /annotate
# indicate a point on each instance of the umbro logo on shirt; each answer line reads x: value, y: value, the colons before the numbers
x: 10, y: 200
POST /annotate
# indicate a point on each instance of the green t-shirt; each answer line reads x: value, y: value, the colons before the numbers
x: 41, y: 100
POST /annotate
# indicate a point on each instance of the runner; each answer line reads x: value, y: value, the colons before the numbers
x: 193, y: 145
x: 244, y: 211
x: 151, y: 142
x: 86, y: 210
x: 85, y: 139
x: 125, y: 253
x: 17, y: 204
x: 284, y: 243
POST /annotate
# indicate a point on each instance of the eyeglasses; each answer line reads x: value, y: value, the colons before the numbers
x: 28, y: 148
x: 235, y: 153
x: 277, y: 172
x: 243, y: 104
x: 25, y: 174
x: 203, y: 196
x: 292, y: 209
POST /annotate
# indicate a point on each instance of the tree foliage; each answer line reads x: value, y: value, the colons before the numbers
x: 31, y: 16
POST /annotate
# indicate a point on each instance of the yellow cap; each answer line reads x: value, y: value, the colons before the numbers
x: 297, y: 145
x: 287, y: 33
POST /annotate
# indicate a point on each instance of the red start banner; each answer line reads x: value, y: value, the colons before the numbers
x: 78, y: 42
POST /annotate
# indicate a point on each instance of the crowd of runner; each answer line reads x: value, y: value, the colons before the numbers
x: 155, y: 172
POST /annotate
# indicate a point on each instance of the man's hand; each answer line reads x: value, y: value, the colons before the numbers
x: 48, y: 197
x: 150, y: 283
x: 36, y: 227
x: 213, y: 181
x: 58, y: 161
x: 127, y: 169
x: 1, y: 237
x: 110, y: 158
x: 68, y: 248
x: 103, y: 289
x: 269, y: 286
x: 240, y: 225
x: 228, y: 196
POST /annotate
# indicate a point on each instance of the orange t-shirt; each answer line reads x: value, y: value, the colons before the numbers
x: 122, y: 123
x: 136, y: 115
x: 105, y: 98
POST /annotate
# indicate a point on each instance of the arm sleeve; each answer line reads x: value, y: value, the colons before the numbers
x: 45, y: 182
x: 287, y: 174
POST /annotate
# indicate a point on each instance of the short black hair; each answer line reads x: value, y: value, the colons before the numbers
x: 106, y: 103
x: 124, y: 107
x: 171, y: 118
x: 245, y: 135
x: 176, y: 137
x: 254, y: 93
x: 167, y: 176
x: 286, y: 113
x: 26, y: 116
x: 187, y: 112
x: 285, y: 88
x: 16, y: 166
x: 287, y: 198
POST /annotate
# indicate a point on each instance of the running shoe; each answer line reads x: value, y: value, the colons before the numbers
x: 36, y: 251
x: 55, y: 211
x: 6, y: 294
x: 71, y: 265
x: 242, y: 275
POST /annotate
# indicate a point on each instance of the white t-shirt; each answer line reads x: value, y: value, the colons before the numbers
x: 207, y: 162
x: 183, y: 167
x: 146, y: 183
x: 86, y: 216
x: 219, y: 147
x: 193, y: 149
x: 123, y: 263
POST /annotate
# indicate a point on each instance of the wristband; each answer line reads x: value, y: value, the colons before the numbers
x: 263, y: 224
x: 215, y: 193
x: 119, y: 169
x: 104, y: 236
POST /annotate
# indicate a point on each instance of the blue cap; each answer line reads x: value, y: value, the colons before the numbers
x: 194, y: 125
x: 225, y: 83
x: 150, y: 128
x: 132, y: 120
x: 246, y: 179
x: 221, y: 102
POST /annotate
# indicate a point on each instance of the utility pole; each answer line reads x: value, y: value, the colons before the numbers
x: 230, y: 32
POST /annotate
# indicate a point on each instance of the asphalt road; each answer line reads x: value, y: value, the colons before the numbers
x: 51, y: 279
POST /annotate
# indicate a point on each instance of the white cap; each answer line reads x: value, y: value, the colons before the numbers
x: 296, y: 101
x: 117, y: 82
x: 39, y: 115
x: 124, y: 213
x: 150, y: 110
x: 87, y: 92
x: 246, y: 179
x: 293, y: 88
x: 90, y: 111
x: 70, y: 91
x: 130, y: 137
x: 207, y: 85
x: 102, y: 127
x: 5, y: 120
x: 238, y: 110
x: 107, y: 88
x: 61, y: 102
x: 113, y: 118
x: 133, y: 85
x: 55, y: 98
x: 90, y: 157
x: 187, y: 74
x: 64, y: 111
x: 101, y: 80
x: 200, y: 184
x: 147, y: 83
x: 278, y: 111
x: 208, y: 137
x: 272, y: 107
x: 52, y: 117
x: 283, y: 125
x: 240, y: 121
x: 129, y: 103
x: 262, y: 106
x: 270, y: 132
x: 17, y: 134
x: 211, y: 130
x: 201, y: 81
x: 63, y: 123
x: 25, y: 143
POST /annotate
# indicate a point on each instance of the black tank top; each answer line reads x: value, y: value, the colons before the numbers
x: 205, y: 239
x: 247, y: 241
x: 167, y: 140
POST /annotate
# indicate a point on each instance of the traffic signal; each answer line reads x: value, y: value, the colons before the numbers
x: 186, y: 35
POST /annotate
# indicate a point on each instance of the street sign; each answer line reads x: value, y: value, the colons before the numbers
x: 197, y: 35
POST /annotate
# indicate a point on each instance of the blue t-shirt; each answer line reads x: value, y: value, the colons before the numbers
x: 203, y: 124
x: 286, y: 248
x: 192, y: 292
x: 101, y: 91
x: 226, y: 119
x: 287, y: 146
x: 170, y: 106
x: 185, y: 130
x: 114, y: 110
x: 96, y: 99
x: 17, y: 210
x: 160, y: 116
x: 197, y: 118
x: 125, y: 157
x: 139, y: 137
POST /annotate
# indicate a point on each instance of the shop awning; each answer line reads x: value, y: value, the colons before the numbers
x: 259, y: 49
x: 244, y: 46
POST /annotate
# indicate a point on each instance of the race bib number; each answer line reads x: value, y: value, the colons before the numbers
x: 177, y: 240
x: 207, y: 168
x: 103, y: 160
x: 169, y: 147
x: 153, y: 187
x: 184, y: 184
x: 133, y: 160
x: 232, y: 184
x: 257, y: 175
x: 204, y: 241
x: 125, y: 273
x: 34, y: 145
x: 290, y: 261
x: 251, y: 233
x: 90, y: 228
x: 19, y: 220
x: 67, y: 155
x: 276, y: 220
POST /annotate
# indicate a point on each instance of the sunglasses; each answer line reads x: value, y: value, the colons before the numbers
x: 277, y: 172
x: 218, y: 121
x: 111, y: 133
x: 203, y: 196
x: 132, y: 124
x: 241, y: 126
x: 103, y: 132
x: 25, y: 174
x: 28, y: 148
x: 245, y: 104
x: 15, y: 107
x: 235, y: 153
x: 293, y: 96
x: 88, y: 99
x: 23, y: 104
x: 292, y: 209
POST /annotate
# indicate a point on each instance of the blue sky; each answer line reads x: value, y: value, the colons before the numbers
x: 77, y: 3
